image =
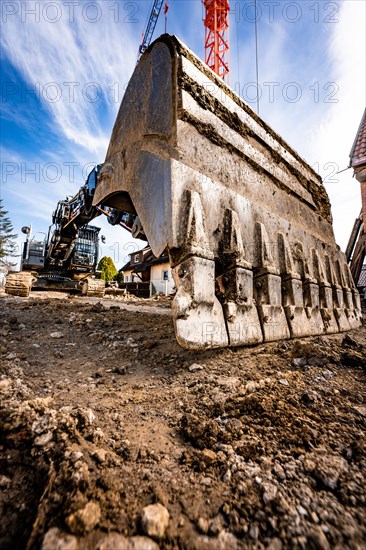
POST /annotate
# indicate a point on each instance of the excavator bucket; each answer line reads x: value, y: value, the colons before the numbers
x: 246, y: 221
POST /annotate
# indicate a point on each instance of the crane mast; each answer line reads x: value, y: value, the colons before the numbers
x: 217, y: 36
x: 150, y: 27
x: 216, y: 23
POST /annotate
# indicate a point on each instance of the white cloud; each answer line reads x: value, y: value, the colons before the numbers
x: 72, y: 63
x: 336, y: 131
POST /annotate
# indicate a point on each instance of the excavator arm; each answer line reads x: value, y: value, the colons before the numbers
x: 70, y: 215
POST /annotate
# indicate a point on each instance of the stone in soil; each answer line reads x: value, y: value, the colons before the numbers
x: 155, y: 520
x: 84, y: 520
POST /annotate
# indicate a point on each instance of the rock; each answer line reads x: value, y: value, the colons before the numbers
x: 149, y: 344
x: 284, y: 382
x: 327, y: 374
x: 309, y: 465
x: 55, y: 539
x: 11, y: 356
x: 56, y: 335
x: 230, y: 382
x: 195, y: 367
x: 207, y: 481
x: 279, y: 471
x: 318, y: 539
x: 120, y: 369
x: 155, y: 520
x: 131, y: 343
x: 226, y: 478
x: 270, y: 492
x: 203, y: 525
x: 114, y: 541
x: 44, y: 424
x: 215, y: 525
x: 97, y: 308
x: 299, y: 362
x: 100, y: 455
x: 353, y: 359
x: 301, y: 510
x: 13, y: 321
x: 328, y: 468
x: 36, y: 346
x: 310, y: 398
x: 251, y: 386
x: 4, y: 481
x: 84, y: 520
x: 317, y: 360
x: 254, y: 532
x: 349, y: 342
x: 208, y: 457
x: 142, y: 543
x: 226, y: 541
x: 361, y: 410
x: 5, y: 385
x: 43, y: 439
x: 275, y: 544
x: 90, y: 416
x: 234, y: 426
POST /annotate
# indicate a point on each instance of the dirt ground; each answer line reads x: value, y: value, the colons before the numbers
x: 112, y: 437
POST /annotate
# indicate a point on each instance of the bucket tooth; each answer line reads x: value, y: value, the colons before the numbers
x: 310, y: 291
x: 356, y: 299
x: 267, y: 291
x: 338, y: 296
x: 197, y: 314
x: 312, y: 304
x: 302, y: 321
x: 237, y: 284
x: 325, y: 295
x: 351, y: 313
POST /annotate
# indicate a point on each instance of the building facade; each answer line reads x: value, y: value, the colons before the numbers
x: 144, y: 267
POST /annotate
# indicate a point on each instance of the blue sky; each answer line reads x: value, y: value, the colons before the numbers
x: 65, y: 65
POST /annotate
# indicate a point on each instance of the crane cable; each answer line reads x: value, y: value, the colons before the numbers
x: 238, y: 58
x: 256, y: 53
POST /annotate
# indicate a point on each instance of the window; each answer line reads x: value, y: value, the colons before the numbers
x: 165, y: 275
x: 137, y: 258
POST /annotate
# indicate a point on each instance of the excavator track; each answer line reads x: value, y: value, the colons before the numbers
x: 93, y: 287
x: 246, y: 221
x: 19, y: 283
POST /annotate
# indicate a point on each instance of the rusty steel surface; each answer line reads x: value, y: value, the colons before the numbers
x: 247, y: 222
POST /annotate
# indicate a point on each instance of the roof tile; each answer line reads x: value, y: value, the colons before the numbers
x: 358, y: 151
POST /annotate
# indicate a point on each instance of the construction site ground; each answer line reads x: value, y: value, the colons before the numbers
x: 113, y: 437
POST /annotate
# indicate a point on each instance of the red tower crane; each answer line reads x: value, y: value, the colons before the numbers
x: 216, y: 33
x: 217, y: 36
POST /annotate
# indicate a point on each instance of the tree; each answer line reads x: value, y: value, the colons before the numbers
x: 120, y: 277
x: 8, y: 246
x: 108, y: 269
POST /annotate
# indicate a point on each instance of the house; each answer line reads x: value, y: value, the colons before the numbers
x: 356, y: 251
x: 144, y: 267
